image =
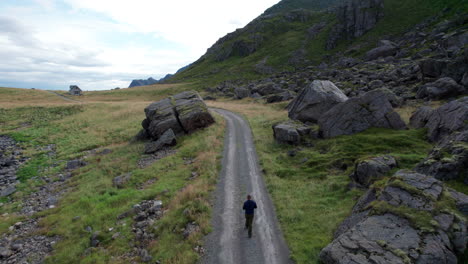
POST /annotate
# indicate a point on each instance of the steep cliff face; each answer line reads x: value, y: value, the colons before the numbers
x: 355, y: 18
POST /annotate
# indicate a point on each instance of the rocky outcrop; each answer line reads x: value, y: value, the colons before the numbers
x: 355, y: 17
x: 445, y: 120
x: 292, y: 132
x: 315, y: 100
x: 182, y: 113
x: 167, y: 139
x: 368, y: 170
x: 400, y: 223
x: 10, y: 161
x: 373, y: 109
x: 442, y: 88
x: 386, y: 48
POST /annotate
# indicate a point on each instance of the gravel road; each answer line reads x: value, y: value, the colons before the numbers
x: 240, y: 175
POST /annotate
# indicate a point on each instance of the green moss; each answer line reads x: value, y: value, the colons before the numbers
x: 418, y: 219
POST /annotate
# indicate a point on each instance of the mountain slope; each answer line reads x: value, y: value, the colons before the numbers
x: 285, y: 40
x: 289, y: 5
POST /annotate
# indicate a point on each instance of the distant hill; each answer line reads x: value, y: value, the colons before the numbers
x: 289, y: 5
x: 294, y: 34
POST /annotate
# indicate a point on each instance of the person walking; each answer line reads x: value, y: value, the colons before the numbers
x: 249, y: 207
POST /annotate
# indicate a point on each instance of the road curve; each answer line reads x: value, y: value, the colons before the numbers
x: 240, y: 175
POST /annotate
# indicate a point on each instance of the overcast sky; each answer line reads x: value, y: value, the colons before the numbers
x: 103, y: 44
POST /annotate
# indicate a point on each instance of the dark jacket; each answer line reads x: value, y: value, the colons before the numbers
x: 249, y: 207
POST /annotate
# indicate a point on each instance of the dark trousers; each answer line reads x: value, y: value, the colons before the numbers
x: 248, y: 222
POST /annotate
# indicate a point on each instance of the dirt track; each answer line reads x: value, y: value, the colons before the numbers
x: 240, y: 175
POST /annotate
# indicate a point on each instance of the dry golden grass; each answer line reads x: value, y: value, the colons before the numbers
x: 408, y: 110
x: 14, y: 97
x: 250, y: 108
x: 140, y: 93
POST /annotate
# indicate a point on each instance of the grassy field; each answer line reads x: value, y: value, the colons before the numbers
x: 309, y: 190
x: 109, y: 120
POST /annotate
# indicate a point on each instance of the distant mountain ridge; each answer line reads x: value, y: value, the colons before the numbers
x: 151, y: 80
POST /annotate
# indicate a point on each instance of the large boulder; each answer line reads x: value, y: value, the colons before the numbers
x: 182, y: 113
x: 442, y: 88
x: 368, y: 170
x: 292, y: 132
x: 191, y: 111
x: 241, y: 93
x: 386, y: 48
x: 373, y: 109
x: 267, y: 88
x: 315, y: 100
x: 401, y: 222
x: 447, y: 119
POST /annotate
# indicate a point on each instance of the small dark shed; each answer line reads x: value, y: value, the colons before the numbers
x: 74, y: 90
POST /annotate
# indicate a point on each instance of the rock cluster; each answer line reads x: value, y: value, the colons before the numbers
x: 401, y: 223
x: 178, y: 114
x: 10, y: 160
x: 447, y: 126
x: 146, y: 214
x: 23, y: 245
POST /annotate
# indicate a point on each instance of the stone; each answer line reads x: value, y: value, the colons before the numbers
x: 291, y: 132
x: 461, y: 201
x: 94, y: 240
x: 366, y: 171
x: 189, y: 229
x: 183, y: 113
x: 280, y: 97
x: 121, y: 180
x: 420, y: 118
x: 445, y: 87
x: 167, y: 139
x: 241, y: 93
x: 5, y: 253
x: 75, y: 164
x: 448, y: 160
x: 447, y: 119
x: 315, y: 100
x: 192, y: 112
x: 385, y: 49
x: 373, y: 109
x: 145, y: 256
x: 432, y: 68
x: 7, y: 191
x: 267, y: 89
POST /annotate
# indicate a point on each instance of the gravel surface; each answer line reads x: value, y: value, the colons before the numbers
x: 240, y: 175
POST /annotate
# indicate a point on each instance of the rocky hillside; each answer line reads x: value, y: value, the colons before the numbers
x: 291, y: 40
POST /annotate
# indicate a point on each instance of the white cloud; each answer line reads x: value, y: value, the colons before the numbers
x: 106, y: 43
